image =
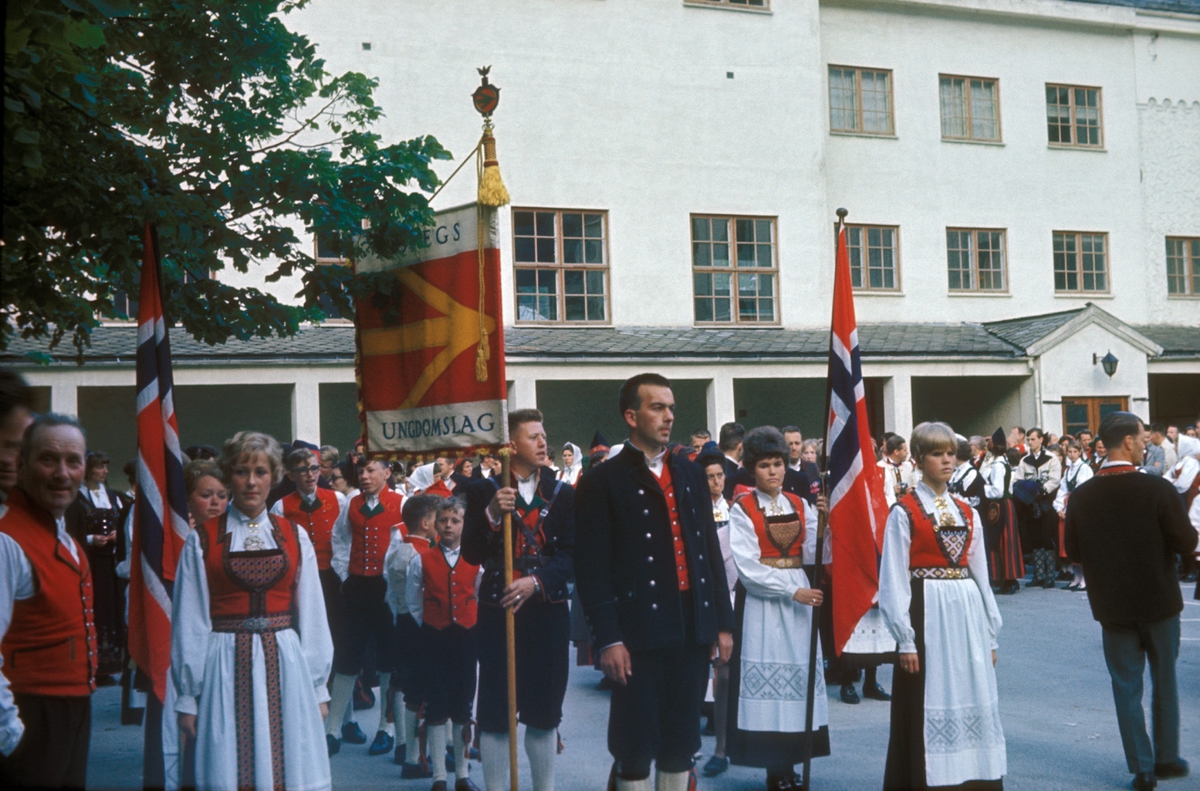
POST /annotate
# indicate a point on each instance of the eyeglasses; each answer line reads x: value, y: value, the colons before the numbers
x: 314, y: 469
x: 335, y: 478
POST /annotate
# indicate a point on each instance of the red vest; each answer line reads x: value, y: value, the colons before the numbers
x: 50, y: 646
x: 770, y: 554
x: 681, y: 562
x: 318, y: 523
x: 449, y: 592
x: 229, y: 598
x: 370, y: 536
x: 926, y: 551
x: 439, y: 488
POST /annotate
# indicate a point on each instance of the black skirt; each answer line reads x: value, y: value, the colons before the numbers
x: 765, y: 749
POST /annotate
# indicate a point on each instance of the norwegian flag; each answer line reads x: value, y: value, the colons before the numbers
x: 857, y: 508
x: 160, y: 523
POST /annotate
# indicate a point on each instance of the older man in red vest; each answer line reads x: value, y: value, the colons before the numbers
x: 47, y: 635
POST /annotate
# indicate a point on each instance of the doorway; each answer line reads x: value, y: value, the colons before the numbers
x: 1084, y: 413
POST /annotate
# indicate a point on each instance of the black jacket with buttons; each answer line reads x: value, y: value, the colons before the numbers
x: 625, y: 559
x: 484, y: 546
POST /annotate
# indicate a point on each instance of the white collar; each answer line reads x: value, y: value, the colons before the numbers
x: 656, y: 463
x: 780, y: 502
x: 1116, y: 464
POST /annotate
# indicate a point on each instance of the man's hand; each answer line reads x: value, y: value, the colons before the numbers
x: 723, y: 648
x: 822, y: 504
x: 504, y: 501
x: 324, y: 710
x: 910, y: 663
x: 519, y: 592
x: 993, y: 657
x: 615, y: 663
x: 810, y: 596
x: 187, y: 727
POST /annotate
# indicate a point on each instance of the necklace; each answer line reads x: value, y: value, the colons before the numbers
x: 254, y: 541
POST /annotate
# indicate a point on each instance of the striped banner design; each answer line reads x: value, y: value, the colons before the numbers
x: 160, y: 523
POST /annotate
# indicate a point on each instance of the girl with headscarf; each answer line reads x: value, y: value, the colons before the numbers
x: 572, y: 464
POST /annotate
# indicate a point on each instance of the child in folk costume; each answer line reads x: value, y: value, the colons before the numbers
x: 1077, y: 472
x: 935, y: 597
x: 441, y: 598
x: 772, y: 535
x: 1005, y: 560
x: 250, y: 647
x: 420, y: 519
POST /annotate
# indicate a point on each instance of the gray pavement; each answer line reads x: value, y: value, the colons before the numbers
x: 1055, y: 703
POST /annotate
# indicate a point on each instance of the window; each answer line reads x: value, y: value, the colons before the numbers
x: 860, y: 100
x: 757, y: 5
x: 325, y: 251
x: 561, y: 265
x: 873, y: 257
x: 1080, y: 262
x: 1183, y: 265
x: 970, y: 108
x: 1085, y: 413
x: 738, y: 289
x: 1073, y: 116
x: 975, y: 259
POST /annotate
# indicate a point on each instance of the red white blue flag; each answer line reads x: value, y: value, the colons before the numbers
x: 160, y: 523
x: 857, y: 508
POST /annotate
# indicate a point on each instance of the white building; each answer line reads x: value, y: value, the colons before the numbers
x: 1022, y: 177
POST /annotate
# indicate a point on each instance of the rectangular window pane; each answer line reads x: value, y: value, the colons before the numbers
x: 953, y: 99
x: 854, y: 249
x: 984, y: 110
x: 1176, y: 266
x: 876, y: 102
x: 843, y: 99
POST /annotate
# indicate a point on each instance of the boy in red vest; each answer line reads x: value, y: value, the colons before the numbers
x: 441, y: 597
x: 420, y: 520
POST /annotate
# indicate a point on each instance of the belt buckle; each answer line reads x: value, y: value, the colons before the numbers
x: 256, y: 624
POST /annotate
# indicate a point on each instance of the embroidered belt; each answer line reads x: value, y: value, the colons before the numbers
x: 794, y: 562
x: 267, y: 623
x: 940, y: 573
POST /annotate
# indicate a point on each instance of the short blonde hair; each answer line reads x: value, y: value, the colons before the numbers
x: 245, y: 442
x: 930, y: 436
x: 193, y: 471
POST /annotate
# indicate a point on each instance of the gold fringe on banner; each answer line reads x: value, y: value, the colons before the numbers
x: 492, y: 191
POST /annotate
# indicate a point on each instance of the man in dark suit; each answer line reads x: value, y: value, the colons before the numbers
x: 543, y: 528
x: 1126, y: 528
x: 729, y: 440
x: 652, y: 582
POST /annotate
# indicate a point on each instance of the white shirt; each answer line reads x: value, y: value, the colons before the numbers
x: 98, y: 497
x: 16, y: 584
x: 1077, y: 473
x: 656, y: 464
x: 994, y: 487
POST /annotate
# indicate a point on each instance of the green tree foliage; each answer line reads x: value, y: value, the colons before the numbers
x: 211, y: 120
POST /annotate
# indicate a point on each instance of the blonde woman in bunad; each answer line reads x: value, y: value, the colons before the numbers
x: 935, y: 598
x: 1077, y: 472
x: 773, y: 535
x: 250, y: 649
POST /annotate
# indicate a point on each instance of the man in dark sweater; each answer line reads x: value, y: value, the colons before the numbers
x: 1126, y: 528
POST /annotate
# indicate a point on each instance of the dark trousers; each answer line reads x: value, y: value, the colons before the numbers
x: 1126, y: 651
x: 542, y: 632
x: 53, y: 752
x: 449, y: 675
x: 331, y: 589
x: 365, y: 616
x: 656, y: 716
x: 406, y: 661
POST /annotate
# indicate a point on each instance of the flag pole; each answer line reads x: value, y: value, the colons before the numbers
x: 510, y: 642
x: 818, y: 566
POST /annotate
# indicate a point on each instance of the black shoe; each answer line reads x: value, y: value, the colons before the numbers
x: 1066, y: 574
x: 418, y: 771
x: 1009, y: 588
x: 465, y: 784
x: 400, y: 754
x: 1144, y: 781
x: 1049, y: 583
x: 1177, y: 768
x: 716, y: 766
x: 1034, y: 583
x: 850, y: 694
x: 332, y: 743
x: 352, y: 734
x: 384, y: 742
x: 875, y: 692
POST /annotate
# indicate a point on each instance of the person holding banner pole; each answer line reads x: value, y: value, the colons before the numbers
x: 543, y: 511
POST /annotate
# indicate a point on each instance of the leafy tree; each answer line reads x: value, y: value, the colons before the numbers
x: 211, y: 120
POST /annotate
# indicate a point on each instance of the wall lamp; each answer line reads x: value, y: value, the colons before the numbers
x: 1109, y: 361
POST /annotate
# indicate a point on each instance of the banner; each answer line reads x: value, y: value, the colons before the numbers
x: 431, y: 365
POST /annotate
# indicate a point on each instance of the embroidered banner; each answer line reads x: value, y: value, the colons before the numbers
x: 431, y: 366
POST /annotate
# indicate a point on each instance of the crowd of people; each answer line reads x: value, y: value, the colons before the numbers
x: 683, y: 572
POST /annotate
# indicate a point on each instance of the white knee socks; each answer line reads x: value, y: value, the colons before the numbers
x: 339, y: 704
x: 493, y: 754
x: 462, y: 761
x: 384, y: 725
x: 634, y: 785
x: 670, y: 781
x: 541, y: 746
x: 412, y: 750
x: 436, y: 735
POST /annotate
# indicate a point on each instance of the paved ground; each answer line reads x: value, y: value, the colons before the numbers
x: 1056, y: 706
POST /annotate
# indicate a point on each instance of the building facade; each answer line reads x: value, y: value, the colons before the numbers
x: 1022, y: 180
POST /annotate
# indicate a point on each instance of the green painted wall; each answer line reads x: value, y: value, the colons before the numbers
x: 340, y: 426
x: 970, y: 404
x: 779, y: 403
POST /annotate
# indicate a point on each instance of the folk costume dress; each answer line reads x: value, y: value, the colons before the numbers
x: 935, y: 597
x: 97, y: 513
x: 771, y: 541
x: 1000, y: 527
x: 1075, y: 474
x: 251, y: 653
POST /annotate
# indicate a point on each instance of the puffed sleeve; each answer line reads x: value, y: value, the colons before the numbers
x: 191, y: 626
x: 895, y: 591
x: 314, y: 623
x: 414, y: 590
x: 759, y: 580
x: 340, y: 540
x: 977, y: 561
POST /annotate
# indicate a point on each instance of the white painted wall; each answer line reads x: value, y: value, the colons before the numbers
x: 1067, y: 370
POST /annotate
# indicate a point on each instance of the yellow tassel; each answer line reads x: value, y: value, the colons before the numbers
x: 481, y: 358
x: 492, y: 191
